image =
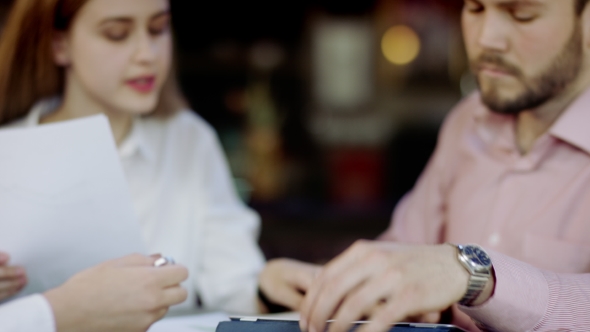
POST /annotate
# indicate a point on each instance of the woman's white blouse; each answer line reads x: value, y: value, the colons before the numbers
x: 187, y: 207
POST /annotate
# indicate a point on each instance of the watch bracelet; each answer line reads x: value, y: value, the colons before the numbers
x: 477, y: 283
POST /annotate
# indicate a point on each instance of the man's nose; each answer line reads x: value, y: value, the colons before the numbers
x: 493, y: 35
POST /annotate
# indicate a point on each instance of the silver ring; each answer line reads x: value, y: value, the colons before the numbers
x: 164, y: 260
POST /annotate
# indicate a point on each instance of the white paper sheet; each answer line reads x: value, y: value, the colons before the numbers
x: 64, y: 201
x: 194, y: 323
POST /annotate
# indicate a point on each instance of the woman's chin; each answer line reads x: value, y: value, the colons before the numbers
x: 142, y: 106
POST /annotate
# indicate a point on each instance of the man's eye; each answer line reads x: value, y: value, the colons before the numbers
x: 473, y: 7
x: 523, y: 17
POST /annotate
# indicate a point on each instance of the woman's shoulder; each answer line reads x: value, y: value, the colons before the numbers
x: 16, y: 124
x: 189, y: 120
x: 184, y: 120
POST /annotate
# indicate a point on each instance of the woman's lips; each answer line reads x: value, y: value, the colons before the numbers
x: 145, y: 84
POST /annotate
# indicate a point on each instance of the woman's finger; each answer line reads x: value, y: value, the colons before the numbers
x: 11, y: 272
x: 12, y: 285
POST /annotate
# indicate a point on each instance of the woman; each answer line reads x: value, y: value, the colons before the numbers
x: 66, y: 59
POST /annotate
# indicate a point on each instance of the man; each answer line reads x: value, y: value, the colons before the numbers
x: 126, y: 294
x: 511, y: 171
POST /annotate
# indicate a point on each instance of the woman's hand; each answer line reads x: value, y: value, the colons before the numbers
x: 12, y: 278
x: 127, y: 294
x: 285, y: 281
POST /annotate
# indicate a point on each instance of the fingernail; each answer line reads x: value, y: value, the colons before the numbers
x: 19, y: 271
x: 312, y: 329
x: 3, y: 258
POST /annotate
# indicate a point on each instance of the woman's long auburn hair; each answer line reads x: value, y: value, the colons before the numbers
x: 28, y: 72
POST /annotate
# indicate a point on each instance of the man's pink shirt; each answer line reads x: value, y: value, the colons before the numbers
x: 478, y: 188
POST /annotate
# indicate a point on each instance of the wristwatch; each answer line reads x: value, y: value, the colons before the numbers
x: 479, y: 265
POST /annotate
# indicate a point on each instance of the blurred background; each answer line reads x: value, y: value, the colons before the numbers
x: 327, y: 110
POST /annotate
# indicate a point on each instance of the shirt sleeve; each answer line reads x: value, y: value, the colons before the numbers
x: 529, y: 299
x: 420, y: 216
x: 32, y: 313
x: 230, y: 257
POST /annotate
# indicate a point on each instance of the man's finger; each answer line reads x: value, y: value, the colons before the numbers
x: 337, y: 267
x: 383, y: 318
x: 430, y: 318
x: 336, y: 290
x: 362, y: 302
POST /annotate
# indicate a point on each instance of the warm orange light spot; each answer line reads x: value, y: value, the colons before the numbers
x: 400, y: 45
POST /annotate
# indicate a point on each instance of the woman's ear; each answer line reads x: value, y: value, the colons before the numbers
x: 61, y: 49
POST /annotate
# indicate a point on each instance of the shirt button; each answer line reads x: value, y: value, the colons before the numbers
x: 494, y: 239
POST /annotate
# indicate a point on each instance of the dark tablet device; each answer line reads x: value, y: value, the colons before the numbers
x: 262, y: 325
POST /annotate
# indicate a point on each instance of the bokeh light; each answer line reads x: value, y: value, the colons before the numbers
x: 400, y: 45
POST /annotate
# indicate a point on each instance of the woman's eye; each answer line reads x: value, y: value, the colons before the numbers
x: 116, y: 34
x: 159, y: 26
x: 158, y: 31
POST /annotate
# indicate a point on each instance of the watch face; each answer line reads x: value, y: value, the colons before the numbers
x: 477, y: 256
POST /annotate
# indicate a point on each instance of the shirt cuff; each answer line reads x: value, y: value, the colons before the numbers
x: 520, y: 298
x: 31, y: 313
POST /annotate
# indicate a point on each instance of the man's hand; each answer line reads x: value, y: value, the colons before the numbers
x: 384, y: 282
x: 286, y: 281
x: 126, y: 294
x: 12, y: 278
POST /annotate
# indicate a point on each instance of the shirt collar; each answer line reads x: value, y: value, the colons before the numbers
x: 40, y: 109
x: 137, y: 142
x: 572, y: 125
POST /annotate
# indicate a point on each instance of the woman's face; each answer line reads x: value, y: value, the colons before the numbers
x: 118, y: 53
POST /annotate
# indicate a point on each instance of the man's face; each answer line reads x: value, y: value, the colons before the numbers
x: 523, y: 52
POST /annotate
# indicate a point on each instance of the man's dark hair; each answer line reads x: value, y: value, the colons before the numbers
x: 580, y: 5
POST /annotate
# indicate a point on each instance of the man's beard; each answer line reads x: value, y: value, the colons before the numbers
x: 539, y: 90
